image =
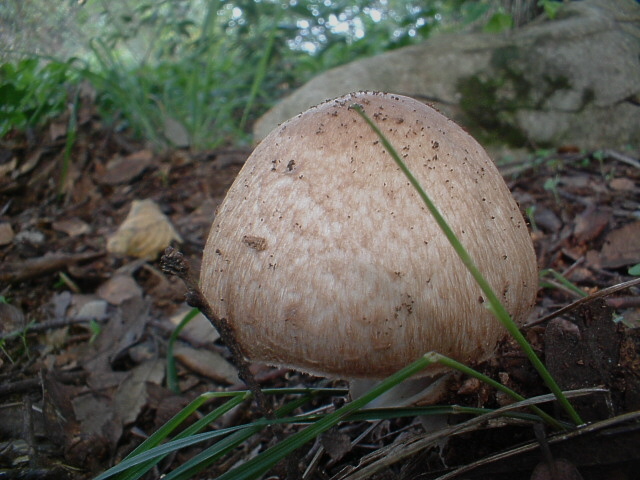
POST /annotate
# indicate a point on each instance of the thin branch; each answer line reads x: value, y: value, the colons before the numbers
x: 174, y: 263
x: 584, y: 300
x: 622, y: 158
x: 40, y: 327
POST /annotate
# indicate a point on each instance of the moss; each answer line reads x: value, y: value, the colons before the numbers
x: 491, y: 100
x: 588, y: 96
x: 559, y: 82
x: 489, y: 117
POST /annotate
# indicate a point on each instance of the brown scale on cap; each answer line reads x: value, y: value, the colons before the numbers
x: 323, y: 257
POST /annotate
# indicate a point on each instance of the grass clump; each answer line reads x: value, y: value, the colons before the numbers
x: 33, y: 92
x: 195, y: 74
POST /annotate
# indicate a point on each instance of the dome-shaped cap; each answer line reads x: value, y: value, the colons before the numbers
x: 323, y: 257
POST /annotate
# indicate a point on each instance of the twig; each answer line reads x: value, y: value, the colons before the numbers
x: 174, y: 263
x: 590, y: 298
x: 39, y: 327
x: 603, y: 426
x: 35, y: 267
x: 33, y: 384
x: 622, y: 158
x: 28, y: 432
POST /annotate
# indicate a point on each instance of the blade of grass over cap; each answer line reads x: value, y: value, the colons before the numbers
x: 494, y: 303
x: 449, y: 362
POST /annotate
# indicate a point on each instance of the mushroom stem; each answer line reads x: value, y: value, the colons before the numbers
x: 174, y: 263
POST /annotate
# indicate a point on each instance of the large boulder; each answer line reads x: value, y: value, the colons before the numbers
x: 574, y: 80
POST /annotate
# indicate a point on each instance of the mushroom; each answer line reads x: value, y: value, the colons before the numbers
x: 323, y: 258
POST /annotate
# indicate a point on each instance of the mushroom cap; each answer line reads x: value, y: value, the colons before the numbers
x: 323, y: 257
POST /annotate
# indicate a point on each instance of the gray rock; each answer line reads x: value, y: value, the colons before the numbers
x: 574, y: 80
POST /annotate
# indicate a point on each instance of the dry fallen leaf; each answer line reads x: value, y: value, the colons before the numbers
x: 87, y: 307
x: 198, y: 331
x: 621, y: 247
x: 206, y: 363
x: 11, y: 318
x: 336, y: 444
x: 175, y: 132
x: 131, y: 395
x: 119, y: 288
x: 560, y: 469
x: 591, y: 223
x: 622, y: 184
x: 72, y: 226
x: 144, y: 233
x: 6, y: 233
x: 122, y: 170
x: 7, y: 167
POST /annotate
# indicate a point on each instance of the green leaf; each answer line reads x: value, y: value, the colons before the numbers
x: 10, y: 96
x: 550, y: 7
x: 498, y: 23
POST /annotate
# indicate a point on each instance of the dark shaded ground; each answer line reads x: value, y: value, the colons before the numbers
x: 84, y: 334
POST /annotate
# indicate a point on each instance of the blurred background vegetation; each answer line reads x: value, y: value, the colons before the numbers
x: 196, y: 73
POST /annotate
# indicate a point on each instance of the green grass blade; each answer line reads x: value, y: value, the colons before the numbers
x: 451, y: 363
x: 72, y: 131
x: 135, y: 457
x: 259, y: 77
x: 137, y: 466
x: 266, y: 460
x: 562, y: 280
x: 172, y: 375
x: 213, y: 453
x: 150, y: 452
x: 494, y: 303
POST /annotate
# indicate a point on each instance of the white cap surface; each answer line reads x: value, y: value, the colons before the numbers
x: 323, y: 257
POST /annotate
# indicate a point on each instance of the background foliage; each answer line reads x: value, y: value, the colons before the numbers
x: 196, y: 72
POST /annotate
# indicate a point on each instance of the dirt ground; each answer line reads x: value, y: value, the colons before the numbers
x: 84, y: 332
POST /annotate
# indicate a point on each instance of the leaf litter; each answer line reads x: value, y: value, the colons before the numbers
x: 84, y: 336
